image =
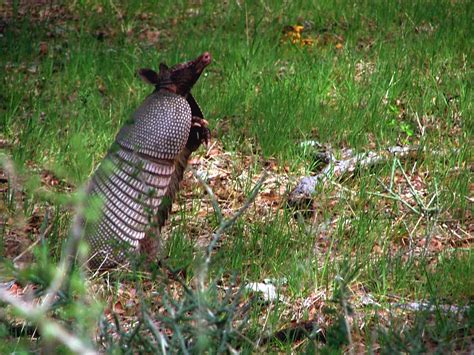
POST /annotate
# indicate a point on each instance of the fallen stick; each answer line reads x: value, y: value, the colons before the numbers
x: 337, y: 168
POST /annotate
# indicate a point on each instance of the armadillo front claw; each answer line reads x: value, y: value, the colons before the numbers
x: 199, y: 133
x: 199, y: 122
x: 207, y: 138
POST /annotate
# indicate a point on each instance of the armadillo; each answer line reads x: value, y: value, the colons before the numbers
x: 131, y: 192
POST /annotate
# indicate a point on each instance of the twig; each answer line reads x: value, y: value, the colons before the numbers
x: 13, y: 179
x: 394, y: 196
x: 37, y: 314
x: 227, y: 223
x: 413, y: 191
x: 42, y: 235
x: 212, y: 196
x: 420, y: 126
x: 65, y: 265
x: 223, y: 225
x: 262, y: 332
x: 47, y: 325
x: 159, y: 337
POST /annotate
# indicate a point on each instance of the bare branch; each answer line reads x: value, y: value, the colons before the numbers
x: 47, y: 325
x: 68, y: 256
x: 394, y: 196
x: 227, y: 223
x: 42, y: 235
x: 212, y: 196
x: 159, y: 337
x: 37, y: 314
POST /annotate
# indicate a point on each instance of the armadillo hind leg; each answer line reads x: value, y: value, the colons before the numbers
x: 130, y: 188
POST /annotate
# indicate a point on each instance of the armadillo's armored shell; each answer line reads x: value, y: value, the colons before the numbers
x: 133, y: 178
x: 160, y: 126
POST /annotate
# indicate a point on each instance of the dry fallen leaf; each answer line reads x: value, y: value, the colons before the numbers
x: 118, y: 308
x: 150, y: 35
x: 43, y: 48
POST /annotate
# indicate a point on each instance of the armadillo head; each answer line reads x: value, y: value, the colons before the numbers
x: 178, y: 79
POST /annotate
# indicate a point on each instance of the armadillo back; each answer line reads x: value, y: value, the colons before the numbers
x: 131, y: 182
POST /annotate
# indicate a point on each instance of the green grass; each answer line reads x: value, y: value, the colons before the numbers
x: 380, y: 74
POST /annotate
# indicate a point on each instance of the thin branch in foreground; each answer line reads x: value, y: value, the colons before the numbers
x: 38, y: 314
x: 67, y: 258
x: 223, y: 223
x: 47, y: 325
x: 227, y: 223
x: 212, y: 196
x: 159, y: 337
x: 41, y: 237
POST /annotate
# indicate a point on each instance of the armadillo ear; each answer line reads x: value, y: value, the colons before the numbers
x: 163, y: 68
x: 149, y: 76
